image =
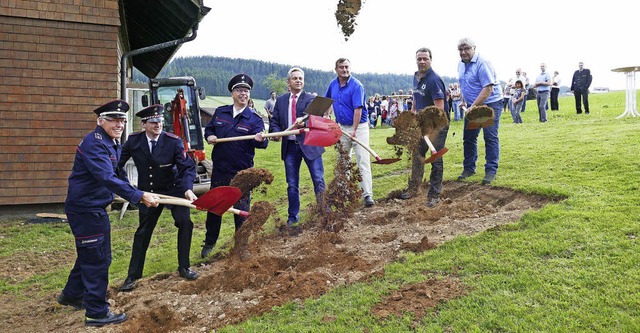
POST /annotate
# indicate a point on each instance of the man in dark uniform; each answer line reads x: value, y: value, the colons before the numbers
x: 229, y: 158
x: 163, y: 167
x: 93, y: 180
x: 287, y: 109
x: 429, y: 90
x: 580, y: 84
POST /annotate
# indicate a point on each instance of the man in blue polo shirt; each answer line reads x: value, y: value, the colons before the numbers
x: 348, y: 106
x: 428, y: 90
x: 543, y: 84
x: 479, y: 86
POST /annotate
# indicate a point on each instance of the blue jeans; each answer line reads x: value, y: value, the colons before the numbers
x: 491, y: 141
x: 542, y: 98
x: 292, y: 161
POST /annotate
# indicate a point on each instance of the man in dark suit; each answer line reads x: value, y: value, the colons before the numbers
x: 164, y: 168
x: 288, y: 108
x: 580, y: 87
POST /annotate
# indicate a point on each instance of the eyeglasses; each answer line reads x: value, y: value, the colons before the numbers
x: 241, y: 91
x: 465, y: 48
x: 117, y: 121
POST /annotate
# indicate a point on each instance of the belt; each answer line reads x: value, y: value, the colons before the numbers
x: 293, y: 141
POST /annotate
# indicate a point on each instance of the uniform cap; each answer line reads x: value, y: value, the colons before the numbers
x: 240, y: 80
x: 152, y: 114
x: 114, y: 109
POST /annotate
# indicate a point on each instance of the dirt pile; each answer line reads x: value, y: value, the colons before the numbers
x: 290, y: 267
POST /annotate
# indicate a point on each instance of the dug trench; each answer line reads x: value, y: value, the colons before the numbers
x: 344, y: 244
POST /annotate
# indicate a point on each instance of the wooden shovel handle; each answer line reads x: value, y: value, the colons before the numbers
x: 431, y: 147
x: 361, y: 144
x: 265, y: 135
x: 169, y: 200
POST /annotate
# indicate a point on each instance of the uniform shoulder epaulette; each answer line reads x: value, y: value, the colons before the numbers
x: 171, y: 135
x: 136, y: 133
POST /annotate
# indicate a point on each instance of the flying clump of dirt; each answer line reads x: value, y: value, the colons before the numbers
x: 431, y: 121
x: 260, y: 213
x: 248, y: 179
x: 341, y: 196
x: 346, y: 16
x: 407, y: 133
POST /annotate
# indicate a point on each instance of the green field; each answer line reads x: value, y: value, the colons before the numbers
x: 573, y: 266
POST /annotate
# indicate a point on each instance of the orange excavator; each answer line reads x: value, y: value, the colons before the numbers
x: 180, y: 96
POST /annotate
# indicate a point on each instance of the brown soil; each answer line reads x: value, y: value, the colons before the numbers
x: 346, y: 16
x: 340, y: 244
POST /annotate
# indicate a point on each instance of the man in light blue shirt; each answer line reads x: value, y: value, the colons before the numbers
x: 479, y: 86
x: 543, y: 85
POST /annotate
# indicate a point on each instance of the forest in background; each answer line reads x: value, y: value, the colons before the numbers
x: 213, y: 73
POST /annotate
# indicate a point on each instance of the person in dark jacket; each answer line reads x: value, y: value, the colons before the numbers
x: 229, y: 158
x: 287, y: 109
x: 580, y: 87
x: 163, y: 167
x: 93, y: 181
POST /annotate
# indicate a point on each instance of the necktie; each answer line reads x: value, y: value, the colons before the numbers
x: 293, y: 109
x: 153, y: 145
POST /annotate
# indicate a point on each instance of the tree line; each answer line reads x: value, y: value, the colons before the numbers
x: 214, y: 73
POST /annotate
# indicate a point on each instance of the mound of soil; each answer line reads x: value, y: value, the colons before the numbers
x: 289, y: 265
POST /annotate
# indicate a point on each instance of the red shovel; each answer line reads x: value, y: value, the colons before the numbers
x: 318, y: 107
x: 218, y: 201
x: 379, y: 160
x: 434, y: 153
x: 320, y: 131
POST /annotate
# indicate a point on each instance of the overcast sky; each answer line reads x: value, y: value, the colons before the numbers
x: 510, y: 34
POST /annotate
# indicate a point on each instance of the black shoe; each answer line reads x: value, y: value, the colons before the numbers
x: 488, y: 178
x: 188, y: 273
x: 579, y: 112
x: 129, y: 284
x: 586, y: 112
x: 466, y: 174
x: 291, y: 222
x: 432, y: 202
x: 206, y: 251
x: 109, y: 318
x: 368, y: 201
x: 76, y: 303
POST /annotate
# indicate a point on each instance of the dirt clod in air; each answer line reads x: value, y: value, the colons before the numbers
x: 341, y: 196
x: 249, y: 179
x: 346, y: 16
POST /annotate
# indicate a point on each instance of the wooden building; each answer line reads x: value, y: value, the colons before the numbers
x: 59, y: 60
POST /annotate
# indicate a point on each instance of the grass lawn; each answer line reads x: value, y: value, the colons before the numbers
x: 572, y: 266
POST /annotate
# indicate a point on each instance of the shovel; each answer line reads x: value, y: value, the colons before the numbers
x: 379, y: 160
x: 320, y: 131
x: 434, y: 153
x: 318, y: 107
x: 218, y: 201
x: 479, y: 117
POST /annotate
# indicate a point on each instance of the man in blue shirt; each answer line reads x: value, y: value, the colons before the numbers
x: 351, y: 114
x: 479, y: 86
x: 543, y: 84
x: 428, y: 90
